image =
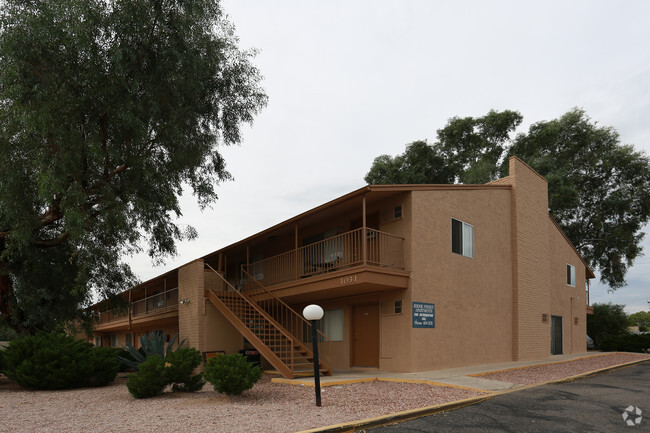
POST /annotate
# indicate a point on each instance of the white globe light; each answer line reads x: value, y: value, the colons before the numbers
x: 312, y: 312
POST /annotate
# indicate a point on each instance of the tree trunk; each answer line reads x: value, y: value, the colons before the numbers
x: 5, y: 294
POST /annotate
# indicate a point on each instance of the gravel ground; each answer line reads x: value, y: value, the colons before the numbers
x: 268, y: 407
x: 546, y: 372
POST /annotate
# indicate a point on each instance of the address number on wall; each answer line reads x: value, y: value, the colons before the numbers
x: 348, y: 280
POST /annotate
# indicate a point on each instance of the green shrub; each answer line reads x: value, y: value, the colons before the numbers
x: 608, y: 320
x: 231, y: 374
x: 121, y: 354
x: 155, y: 373
x: 150, y: 380
x: 7, y: 333
x: 58, y: 361
x: 105, y: 366
x: 183, y: 362
x: 626, y: 343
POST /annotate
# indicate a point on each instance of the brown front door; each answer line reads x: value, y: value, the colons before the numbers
x: 365, y: 336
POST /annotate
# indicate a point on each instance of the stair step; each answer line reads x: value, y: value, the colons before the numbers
x: 259, y: 322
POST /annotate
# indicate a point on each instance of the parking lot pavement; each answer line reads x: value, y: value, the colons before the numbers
x: 606, y: 403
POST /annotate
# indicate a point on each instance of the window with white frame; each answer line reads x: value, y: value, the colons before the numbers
x: 114, y: 340
x: 462, y: 238
x: 571, y: 275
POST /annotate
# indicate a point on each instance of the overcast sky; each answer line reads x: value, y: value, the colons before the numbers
x: 350, y: 80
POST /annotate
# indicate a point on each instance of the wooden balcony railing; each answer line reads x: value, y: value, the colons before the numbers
x: 335, y: 253
x: 158, y: 303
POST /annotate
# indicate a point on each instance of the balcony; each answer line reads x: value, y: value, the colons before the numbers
x: 146, y: 308
x: 331, y: 258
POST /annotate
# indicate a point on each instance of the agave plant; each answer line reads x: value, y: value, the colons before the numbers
x: 154, y: 345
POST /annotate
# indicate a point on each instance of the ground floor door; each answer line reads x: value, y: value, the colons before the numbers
x: 365, y: 336
x: 556, y: 335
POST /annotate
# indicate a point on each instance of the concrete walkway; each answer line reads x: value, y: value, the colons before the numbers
x: 457, y: 377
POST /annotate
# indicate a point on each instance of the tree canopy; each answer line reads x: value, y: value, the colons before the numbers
x: 599, y: 189
x: 108, y: 109
x: 640, y: 318
x: 608, y: 320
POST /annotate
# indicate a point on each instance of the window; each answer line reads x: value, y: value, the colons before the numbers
x: 397, y: 212
x: 398, y: 307
x: 332, y: 324
x: 98, y: 341
x: 128, y: 339
x: 462, y: 238
x: 114, y: 340
x: 571, y: 275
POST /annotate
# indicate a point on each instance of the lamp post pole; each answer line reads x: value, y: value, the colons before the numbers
x: 314, y: 313
x: 314, y: 339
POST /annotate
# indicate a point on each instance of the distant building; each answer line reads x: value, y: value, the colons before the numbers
x: 411, y: 278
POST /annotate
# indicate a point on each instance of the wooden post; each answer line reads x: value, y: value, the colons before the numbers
x: 130, y: 308
x: 364, y: 233
x: 296, y: 249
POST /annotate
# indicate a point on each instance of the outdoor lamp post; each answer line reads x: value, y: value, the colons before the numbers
x: 313, y: 313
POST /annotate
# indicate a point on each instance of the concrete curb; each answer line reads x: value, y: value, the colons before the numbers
x: 394, y: 418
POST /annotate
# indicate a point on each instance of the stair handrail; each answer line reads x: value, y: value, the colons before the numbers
x: 291, y: 311
x: 257, y: 308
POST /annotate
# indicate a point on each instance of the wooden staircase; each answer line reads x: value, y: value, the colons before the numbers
x: 283, y: 349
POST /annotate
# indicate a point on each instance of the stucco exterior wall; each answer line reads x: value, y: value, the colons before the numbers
x: 472, y: 296
x: 566, y: 301
x: 219, y: 333
x: 191, y: 315
x: 531, y: 262
x: 395, y: 328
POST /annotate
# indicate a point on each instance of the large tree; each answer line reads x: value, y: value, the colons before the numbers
x: 608, y: 320
x: 108, y: 109
x: 599, y: 189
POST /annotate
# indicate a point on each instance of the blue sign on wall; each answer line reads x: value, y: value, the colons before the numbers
x: 424, y: 315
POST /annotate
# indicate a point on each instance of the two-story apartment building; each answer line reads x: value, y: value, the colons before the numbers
x: 411, y: 278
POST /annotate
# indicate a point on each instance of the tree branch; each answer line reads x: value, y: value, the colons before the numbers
x: 53, y: 213
x: 52, y: 242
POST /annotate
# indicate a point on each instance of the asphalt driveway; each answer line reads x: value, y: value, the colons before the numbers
x: 594, y: 404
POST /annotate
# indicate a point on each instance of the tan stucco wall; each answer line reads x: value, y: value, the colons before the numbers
x: 566, y: 301
x: 531, y: 265
x: 219, y: 333
x: 395, y: 328
x: 191, y: 315
x: 472, y: 296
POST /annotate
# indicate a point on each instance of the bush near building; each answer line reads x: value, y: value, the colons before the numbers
x: 58, y: 361
x: 231, y: 374
x: 608, y: 320
x: 156, y: 373
x: 626, y: 343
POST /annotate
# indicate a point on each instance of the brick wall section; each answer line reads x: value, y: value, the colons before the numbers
x: 531, y: 262
x: 191, y: 315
